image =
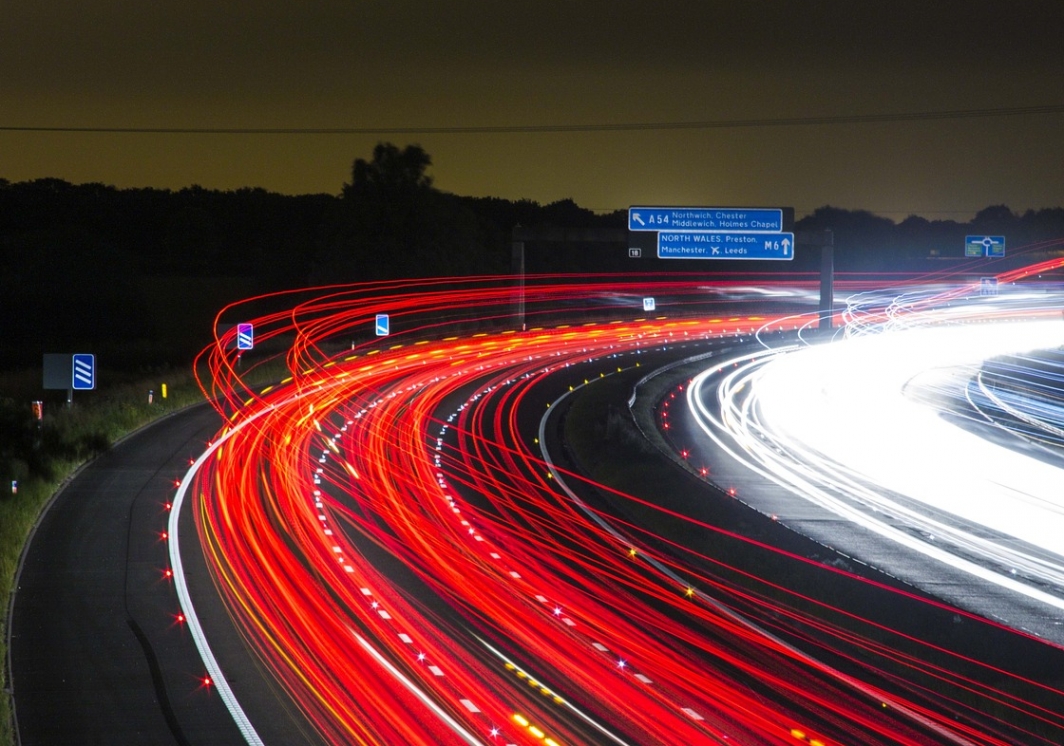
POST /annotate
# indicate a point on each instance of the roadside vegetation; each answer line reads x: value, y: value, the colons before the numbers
x: 38, y: 456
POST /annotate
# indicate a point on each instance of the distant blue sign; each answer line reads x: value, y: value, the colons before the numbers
x: 683, y: 219
x: 245, y: 336
x: 83, y: 372
x: 984, y: 246
x: 724, y: 245
x: 382, y: 325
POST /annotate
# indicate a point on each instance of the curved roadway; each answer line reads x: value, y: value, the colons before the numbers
x: 98, y: 654
x: 419, y: 457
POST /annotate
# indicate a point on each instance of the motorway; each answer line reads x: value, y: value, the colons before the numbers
x: 891, y: 460
x: 405, y: 555
x: 97, y: 653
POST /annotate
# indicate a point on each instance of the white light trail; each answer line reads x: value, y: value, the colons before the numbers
x: 856, y: 427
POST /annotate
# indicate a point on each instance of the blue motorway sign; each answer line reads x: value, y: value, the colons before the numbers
x: 245, y: 336
x: 83, y: 373
x: 725, y: 245
x: 984, y: 246
x: 382, y: 325
x: 678, y: 219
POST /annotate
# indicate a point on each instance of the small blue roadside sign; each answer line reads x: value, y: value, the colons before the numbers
x: 83, y: 374
x: 245, y: 336
x: 649, y: 304
x: 682, y: 219
x: 984, y: 246
x: 725, y: 245
x: 382, y: 325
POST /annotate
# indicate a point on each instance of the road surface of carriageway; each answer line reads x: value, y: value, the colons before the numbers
x: 404, y: 591
x: 889, y: 435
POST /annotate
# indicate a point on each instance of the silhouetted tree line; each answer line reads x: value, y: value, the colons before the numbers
x: 869, y: 243
x: 137, y: 275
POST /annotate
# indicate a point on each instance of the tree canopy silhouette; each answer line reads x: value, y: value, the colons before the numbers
x: 137, y: 275
x: 395, y: 223
x: 391, y: 173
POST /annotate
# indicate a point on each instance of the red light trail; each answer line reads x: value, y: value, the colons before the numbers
x: 390, y: 541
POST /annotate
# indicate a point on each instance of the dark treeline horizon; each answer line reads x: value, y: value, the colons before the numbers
x: 141, y: 272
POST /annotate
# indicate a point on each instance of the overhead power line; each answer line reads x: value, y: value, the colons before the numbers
x: 917, y: 116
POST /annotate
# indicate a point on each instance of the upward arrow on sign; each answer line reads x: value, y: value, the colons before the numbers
x: 724, y: 245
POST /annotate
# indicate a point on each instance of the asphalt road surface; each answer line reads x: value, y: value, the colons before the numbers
x: 98, y: 654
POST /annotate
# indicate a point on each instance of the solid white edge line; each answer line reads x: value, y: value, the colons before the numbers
x: 413, y: 688
x: 839, y: 676
x: 243, y: 724
x: 196, y: 629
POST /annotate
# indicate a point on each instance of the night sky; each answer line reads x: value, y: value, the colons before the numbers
x: 488, y: 68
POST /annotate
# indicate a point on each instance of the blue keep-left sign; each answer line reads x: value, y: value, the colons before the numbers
x: 245, y: 336
x: 83, y: 375
x: 382, y: 325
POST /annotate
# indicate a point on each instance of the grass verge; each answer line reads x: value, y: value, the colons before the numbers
x: 95, y: 421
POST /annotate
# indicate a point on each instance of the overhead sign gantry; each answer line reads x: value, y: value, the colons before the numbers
x: 716, y: 232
